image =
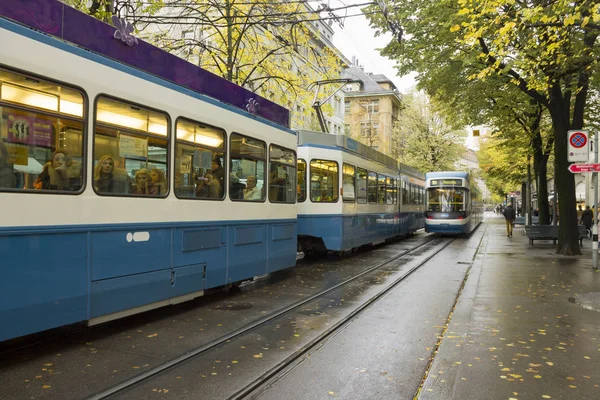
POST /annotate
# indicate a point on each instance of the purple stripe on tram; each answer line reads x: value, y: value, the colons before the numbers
x: 64, y: 22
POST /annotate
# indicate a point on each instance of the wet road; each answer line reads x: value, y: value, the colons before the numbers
x: 385, y: 352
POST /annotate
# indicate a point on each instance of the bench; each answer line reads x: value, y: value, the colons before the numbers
x: 521, y: 220
x: 550, y: 232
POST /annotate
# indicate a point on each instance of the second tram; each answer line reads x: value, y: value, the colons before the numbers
x: 453, y: 204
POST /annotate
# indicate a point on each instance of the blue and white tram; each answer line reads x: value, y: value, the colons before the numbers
x: 452, y: 203
x: 121, y: 189
x: 349, y: 195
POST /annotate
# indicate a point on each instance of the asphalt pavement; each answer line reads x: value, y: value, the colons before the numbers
x: 526, y: 326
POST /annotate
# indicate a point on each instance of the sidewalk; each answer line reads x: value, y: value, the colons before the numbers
x: 526, y: 326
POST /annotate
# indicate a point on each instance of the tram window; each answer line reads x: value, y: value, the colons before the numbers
x: 247, y: 161
x: 41, y: 135
x: 381, y: 189
x: 282, y: 175
x: 372, y: 191
x: 301, y: 181
x: 361, y: 185
x: 130, y: 150
x: 389, y: 191
x: 446, y: 200
x: 324, y: 185
x: 199, y: 160
x: 405, y: 198
x: 348, y: 183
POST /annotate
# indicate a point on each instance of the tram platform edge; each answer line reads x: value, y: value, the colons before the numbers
x: 526, y: 325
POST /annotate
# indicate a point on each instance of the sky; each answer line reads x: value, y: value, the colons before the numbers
x: 356, y: 38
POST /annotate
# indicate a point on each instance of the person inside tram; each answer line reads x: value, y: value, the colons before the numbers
x: 159, y: 181
x: 208, y: 187
x: 143, y: 183
x: 251, y: 192
x: 325, y: 196
x: 236, y: 188
x: 218, y: 172
x: 60, y: 173
x: 8, y: 179
x: 108, y: 179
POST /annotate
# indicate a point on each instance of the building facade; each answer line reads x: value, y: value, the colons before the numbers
x: 372, y: 109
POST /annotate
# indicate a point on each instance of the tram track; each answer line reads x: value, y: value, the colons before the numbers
x: 263, y: 381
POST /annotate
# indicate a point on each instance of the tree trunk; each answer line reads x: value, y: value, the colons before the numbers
x: 542, y: 193
x: 540, y: 166
x: 568, y: 233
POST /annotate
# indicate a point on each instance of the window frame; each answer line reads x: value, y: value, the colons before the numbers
x: 301, y: 160
x: 371, y: 174
x: 354, y: 197
x: 295, y: 175
x: 85, y: 119
x: 167, y: 136
x: 265, y: 169
x: 225, y: 151
x: 364, y: 199
x: 337, y: 176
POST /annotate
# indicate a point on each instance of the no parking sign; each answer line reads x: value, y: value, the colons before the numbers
x: 578, y: 146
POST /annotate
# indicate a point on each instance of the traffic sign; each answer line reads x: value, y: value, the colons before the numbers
x: 582, y: 168
x: 578, y: 146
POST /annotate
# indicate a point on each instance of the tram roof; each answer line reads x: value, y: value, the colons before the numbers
x: 447, y: 174
x: 313, y: 138
x: 66, y: 23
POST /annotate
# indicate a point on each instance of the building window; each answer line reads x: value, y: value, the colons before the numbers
x: 370, y: 106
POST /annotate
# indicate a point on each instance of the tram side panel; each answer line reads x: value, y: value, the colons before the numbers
x: 76, y: 257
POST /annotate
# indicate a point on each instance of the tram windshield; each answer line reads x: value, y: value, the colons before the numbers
x: 446, y: 200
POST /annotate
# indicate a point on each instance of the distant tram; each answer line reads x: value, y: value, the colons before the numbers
x: 453, y: 203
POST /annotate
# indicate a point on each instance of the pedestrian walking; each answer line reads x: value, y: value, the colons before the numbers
x: 587, y: 217
x: 509, y: 215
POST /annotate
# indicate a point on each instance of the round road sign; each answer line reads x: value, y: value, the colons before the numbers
x: 578, y: 140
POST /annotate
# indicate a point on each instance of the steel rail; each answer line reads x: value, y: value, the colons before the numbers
x: 238, y: 332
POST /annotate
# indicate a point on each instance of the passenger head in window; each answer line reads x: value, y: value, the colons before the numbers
x: 325, y: 196
x: 252, y: 192
x: 208, y: 187
x: 8, y: 179
x: 108, y: 179
x: 218, y: 172
x: 159, y: 180
x: 143, y: 183
x: 217, y: 169
x: 60, y: 173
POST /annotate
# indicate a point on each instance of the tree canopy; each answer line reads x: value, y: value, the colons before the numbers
x: 546, y: 50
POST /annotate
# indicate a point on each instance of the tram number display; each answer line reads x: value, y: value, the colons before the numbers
x: 444, y: 182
